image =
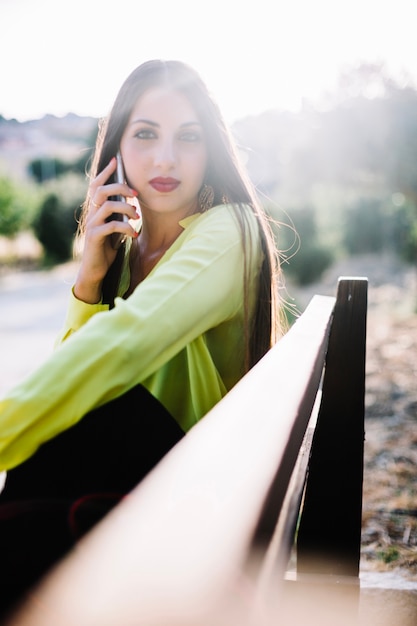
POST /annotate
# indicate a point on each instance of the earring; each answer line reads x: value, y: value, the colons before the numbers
x: 206, y: 197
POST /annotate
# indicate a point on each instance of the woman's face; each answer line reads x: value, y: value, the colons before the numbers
x: 164, y: 152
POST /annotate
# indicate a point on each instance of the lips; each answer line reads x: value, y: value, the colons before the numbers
x: 164, y: 185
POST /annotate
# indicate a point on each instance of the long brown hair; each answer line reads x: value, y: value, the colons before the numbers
x: 224, y: 173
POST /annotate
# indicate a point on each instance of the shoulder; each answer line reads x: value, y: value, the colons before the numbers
x: 230, y: 221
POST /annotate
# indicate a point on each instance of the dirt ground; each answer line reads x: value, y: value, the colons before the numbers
x: 390, y: 483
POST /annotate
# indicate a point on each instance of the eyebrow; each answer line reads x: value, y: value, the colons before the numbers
x: 156, y: 125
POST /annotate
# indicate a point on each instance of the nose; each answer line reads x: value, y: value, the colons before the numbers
x: 165, y: 154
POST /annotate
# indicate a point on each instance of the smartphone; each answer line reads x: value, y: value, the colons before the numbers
x: 118, y: 238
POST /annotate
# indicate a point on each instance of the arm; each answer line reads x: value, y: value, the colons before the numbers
x: 195, y: 288
x: 79, y: 312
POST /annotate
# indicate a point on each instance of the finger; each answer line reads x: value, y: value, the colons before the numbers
x: 97, y: 191
x: 95, y: 205
x: 122, y: 228
x: 109, y: 192
x: 124, y: 209
x: 108, y: 213
x: 104, y: 231
x: 105, y: 174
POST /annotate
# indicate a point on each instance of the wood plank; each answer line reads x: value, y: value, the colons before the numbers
x: 274, y: 566
x: 330, y: 529
x: 175, y: 547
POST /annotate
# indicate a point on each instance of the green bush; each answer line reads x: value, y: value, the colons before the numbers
x: 375, y: 225
x: 409, y: 250
x: 364, y: 227
x: 404, y: 231
x: 309, y: 263
x: 12, y: 210
x: 55, y: 226
x: 52, y: 168
x: 55, y: 222
x: 307, y: 258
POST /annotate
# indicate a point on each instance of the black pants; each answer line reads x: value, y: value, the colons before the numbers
x: 72, y: 481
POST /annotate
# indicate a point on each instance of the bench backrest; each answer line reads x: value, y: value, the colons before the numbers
x: 221, y: 509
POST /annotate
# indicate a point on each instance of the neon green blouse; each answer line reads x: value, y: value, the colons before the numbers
x: 180, y: 334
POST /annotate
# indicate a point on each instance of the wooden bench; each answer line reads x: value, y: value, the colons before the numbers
x: 259, y: 503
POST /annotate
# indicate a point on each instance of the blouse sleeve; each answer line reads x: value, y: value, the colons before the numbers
x: 78, y: 313
x: 198, y: 285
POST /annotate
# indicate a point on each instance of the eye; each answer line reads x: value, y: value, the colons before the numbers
x: 145, y: 133
x: 190, y: 136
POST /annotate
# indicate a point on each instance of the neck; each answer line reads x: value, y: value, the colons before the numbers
x: 160, y: 230
x: 156, y: 238
x: 153, y: 241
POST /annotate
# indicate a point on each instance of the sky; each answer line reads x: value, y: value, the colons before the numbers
x: 60, y: 56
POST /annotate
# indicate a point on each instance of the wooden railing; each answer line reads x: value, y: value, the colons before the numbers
x: 260, y: 502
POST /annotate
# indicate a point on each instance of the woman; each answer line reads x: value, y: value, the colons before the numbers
x: 158, y: 329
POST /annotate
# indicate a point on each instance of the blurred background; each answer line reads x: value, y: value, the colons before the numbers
x: 321, y: 99
x: 340, y: 178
